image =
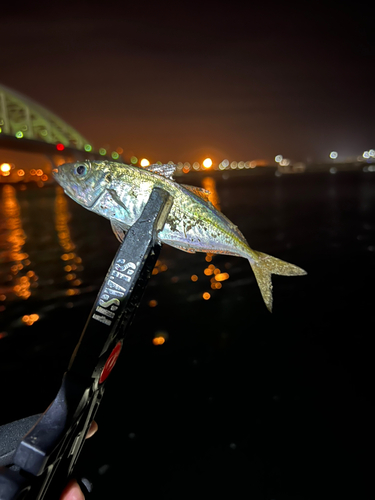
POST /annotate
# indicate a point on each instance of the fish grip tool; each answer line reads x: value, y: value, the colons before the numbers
x: 40, y: 465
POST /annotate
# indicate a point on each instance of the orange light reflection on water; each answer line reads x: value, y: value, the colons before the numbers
x: 214, y: 273
x: 158, y: 340
x: 30, y: 319
x: 70, y: 258
x: 209, y: 184
x: 20, y: 280
x: 160, y: 267
x: 160, y: 337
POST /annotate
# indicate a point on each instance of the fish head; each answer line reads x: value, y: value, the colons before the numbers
x: 84, y: 181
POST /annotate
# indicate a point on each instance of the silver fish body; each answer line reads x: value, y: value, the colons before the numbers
x: 119, y: 192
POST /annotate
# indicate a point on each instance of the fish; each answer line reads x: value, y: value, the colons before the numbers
x: 119, y: 192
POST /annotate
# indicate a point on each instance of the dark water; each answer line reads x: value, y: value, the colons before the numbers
x: 238, y: 402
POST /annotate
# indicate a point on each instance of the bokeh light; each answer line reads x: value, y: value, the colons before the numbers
x: 5, y: 167
x: 160, y: 337
x: 207, y: 163
x: 30, y: 319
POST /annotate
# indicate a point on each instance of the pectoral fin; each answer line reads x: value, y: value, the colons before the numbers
x: 119, y: 230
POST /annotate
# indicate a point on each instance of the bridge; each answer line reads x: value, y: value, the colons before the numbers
x: 27, y: 126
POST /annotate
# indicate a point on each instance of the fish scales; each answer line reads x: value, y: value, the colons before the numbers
x: 119, y: 192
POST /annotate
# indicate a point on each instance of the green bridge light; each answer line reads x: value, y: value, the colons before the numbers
x: 88, y: 147
x: 19, y: 134
x: 102, y: 151
x: 134, y: 160
x: 115, y: 155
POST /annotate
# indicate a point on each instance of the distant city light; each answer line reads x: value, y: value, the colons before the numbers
x: 60, y: 147
x: 88, y: 147
x: 366, y: 154
x: 207, y: 163
x: 278, y: 158
x: 102, y: 151
x: 285, y: 162
x: 372, y: 153
x: 333, y: 155
x: 5, y: 168
x: 144, y: 162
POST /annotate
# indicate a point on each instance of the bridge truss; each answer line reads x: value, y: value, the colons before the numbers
x: 20, y: 117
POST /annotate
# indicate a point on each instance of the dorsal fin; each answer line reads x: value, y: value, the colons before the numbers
x: 202, y: 193
x: 167, y: 170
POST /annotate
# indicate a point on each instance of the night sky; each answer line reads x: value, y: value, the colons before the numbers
x: 182, y: 80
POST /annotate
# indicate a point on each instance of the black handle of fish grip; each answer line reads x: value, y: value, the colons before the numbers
x: 48, y: 453
x: 122, y: 290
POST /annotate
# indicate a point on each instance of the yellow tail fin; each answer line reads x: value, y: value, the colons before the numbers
x: 265, y: 265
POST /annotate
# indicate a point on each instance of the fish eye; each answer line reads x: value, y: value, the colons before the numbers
x: 81, y: 170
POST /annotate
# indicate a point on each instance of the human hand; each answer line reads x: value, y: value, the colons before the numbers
x: 72, y: 491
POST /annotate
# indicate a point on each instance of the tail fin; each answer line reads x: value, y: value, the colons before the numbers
x: 264, y: 266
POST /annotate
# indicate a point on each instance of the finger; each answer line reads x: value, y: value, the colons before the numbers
x: 72, y: 491
x: 92, y: 429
